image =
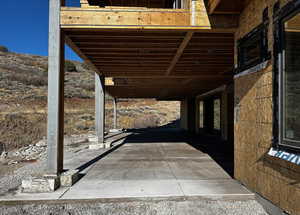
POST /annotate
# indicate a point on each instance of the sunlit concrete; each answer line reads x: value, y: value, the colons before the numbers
x: 158, y: 163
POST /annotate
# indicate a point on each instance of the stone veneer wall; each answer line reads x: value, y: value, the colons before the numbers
x: 275, y: 179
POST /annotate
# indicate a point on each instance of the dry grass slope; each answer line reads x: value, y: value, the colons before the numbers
x: 23, y: 107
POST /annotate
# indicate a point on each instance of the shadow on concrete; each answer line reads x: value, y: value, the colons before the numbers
x: 219, y: 150
x: 104, y: 154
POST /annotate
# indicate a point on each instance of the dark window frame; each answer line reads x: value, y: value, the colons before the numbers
x: 280, y: 17
x: 211, y: 129
x: 201, y: 118
x: 220, y: 114
x: 260, y: 34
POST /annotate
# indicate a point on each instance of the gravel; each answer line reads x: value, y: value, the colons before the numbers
x: 11, y: 182
x: 162, y: 207
x: 180, y: 206
x: 30, y: 160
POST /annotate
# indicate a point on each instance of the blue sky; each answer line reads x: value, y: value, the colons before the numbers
x: 24, y: 26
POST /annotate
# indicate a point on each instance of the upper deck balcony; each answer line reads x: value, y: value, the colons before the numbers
x: 185, y: 47
x: 150, y: 14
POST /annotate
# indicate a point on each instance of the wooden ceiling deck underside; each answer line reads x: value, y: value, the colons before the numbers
x: 158, y: 64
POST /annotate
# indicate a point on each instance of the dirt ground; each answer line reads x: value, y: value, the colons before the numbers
x: 25, y: 123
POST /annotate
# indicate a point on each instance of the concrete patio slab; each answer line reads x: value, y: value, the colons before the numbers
x: 139, y: 167
x: 197, y: 169
x: 213, y: 188
x: 95, y: 189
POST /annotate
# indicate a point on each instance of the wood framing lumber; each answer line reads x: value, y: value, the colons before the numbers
x: 180, y: 51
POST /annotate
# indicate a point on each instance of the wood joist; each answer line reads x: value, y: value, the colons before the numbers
x: 225, y: 6
x: 139, y: 61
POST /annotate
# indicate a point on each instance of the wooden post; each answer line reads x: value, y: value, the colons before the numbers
x: 55, y: 130
x: 99, y: 107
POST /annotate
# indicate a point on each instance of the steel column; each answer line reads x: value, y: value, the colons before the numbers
x: 55, y: 129
x: 100, y: 107
x: 115, y: 113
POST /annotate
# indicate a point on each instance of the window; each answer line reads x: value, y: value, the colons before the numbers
x: 289, y: 81
x: 253, y: 48
x: 250, y: 51
x: 217, y: 114
x: 201, y: 114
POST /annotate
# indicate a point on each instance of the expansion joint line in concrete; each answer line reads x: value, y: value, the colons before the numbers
x: 60, y: 197
x: 172, y: 171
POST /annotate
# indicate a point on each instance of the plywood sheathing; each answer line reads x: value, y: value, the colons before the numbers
x: 275, y: 179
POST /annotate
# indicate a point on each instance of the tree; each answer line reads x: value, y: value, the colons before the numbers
x: 3, y: 49
x: 70, y: 66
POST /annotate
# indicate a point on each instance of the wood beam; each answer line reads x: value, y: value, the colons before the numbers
x: 164, y: 83
x: 129, y: 19
x: 137, y: 76
x: 212, y: 5
x: 124, y: 17
x: 179, y: 52
x: 163, y: 86
x: 126, y: 44
x: 187, y: 81
x: 135, y: 49
x: 114, y: 35
x: 72, y: 45
x: 224, y: 7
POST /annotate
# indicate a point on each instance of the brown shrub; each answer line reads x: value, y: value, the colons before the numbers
x: 3, y: 49
x: 88, y: 87
x: 18, y: 130
x: 148, y: 121
x: 26, y: 79
x: 70, y: 66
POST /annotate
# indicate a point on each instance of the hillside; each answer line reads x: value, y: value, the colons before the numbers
x: 23, y: 95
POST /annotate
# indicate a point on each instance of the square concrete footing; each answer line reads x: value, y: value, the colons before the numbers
x: 42, y: 184
x: 96, y: 146
x: 67, y: 179
x: 116, y: 130
x: 93, y: 139
x: 107, y: 145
